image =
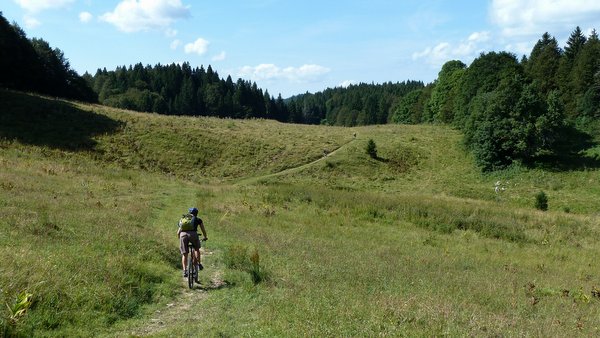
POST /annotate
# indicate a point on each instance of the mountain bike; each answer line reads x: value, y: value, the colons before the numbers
x: 192, y: 268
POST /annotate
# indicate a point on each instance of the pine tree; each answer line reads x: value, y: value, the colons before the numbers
x: 542, y: 65
x: 586, y: 65
x: 566, y: 83
x: 574, y: 44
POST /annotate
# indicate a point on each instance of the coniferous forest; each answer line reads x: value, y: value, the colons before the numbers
x: 510, y: 109
x: 32, y: 65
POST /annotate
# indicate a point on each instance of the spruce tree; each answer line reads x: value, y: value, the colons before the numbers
x: 542, y: 65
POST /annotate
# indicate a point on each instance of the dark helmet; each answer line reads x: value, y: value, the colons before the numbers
x: 193, y: 211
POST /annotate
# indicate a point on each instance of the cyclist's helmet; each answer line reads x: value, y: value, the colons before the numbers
x: 193, y: 211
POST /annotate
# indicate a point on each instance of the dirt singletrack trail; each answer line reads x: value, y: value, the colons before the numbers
x: 254, y: 179
x: 181, y: 309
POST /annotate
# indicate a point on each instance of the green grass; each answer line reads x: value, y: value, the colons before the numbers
x: 412, y: 243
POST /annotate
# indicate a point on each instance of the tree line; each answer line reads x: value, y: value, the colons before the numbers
x: 179, y: 89
x: 513, y: 110
x: 355, y: 105
x: 33, y: 65
x: 509, y: 109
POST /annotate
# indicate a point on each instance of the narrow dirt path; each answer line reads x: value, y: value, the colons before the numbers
x: 249, y: 180
x: 178, y: 311
x: 173, y: 313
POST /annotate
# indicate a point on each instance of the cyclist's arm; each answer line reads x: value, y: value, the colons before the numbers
x: 203, y: 230
x: 178, y: 232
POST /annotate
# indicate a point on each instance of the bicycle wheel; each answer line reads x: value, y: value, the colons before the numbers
x: 190, y: 269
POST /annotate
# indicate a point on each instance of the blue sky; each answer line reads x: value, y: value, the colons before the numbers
x: 291, y: 47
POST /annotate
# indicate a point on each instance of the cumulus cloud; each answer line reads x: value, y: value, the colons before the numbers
x: 31, y: 22
x: 219, y: 57
x: 85, y: 17
x: 519, y: 48
x: 347, y: 83
x: 434, y: 55
x: 534, y: 17
x: 479, y: 36
x: 40, y: 5
x: 141, y: 15
x: 444, y: 51
x: 304, y: 73
x: 200, y: 47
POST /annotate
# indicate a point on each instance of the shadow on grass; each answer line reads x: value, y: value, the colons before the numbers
x: 47, y: 122
x: 214, y: 285
x: 570, y: 154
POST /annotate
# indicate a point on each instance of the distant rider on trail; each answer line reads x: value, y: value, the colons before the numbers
x: 188, y: 233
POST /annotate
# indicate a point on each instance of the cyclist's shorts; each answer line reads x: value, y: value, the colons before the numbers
x: 186, y: 237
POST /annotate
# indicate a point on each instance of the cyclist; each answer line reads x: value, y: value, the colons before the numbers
x: 187, y: 236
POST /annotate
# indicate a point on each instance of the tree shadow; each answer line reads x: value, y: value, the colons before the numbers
x: 48, y: 122
x: 570, y: 153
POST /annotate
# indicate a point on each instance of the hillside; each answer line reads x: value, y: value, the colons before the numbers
x: 415, y: 242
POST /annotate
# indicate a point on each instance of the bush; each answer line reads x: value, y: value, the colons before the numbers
x: 372, y: 149
x: 541, y: 201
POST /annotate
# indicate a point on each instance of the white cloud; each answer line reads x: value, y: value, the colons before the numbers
x: 434, y: 55
x: 40, y: 5
x: 31, y: 22
x: 465, y: 50
x: 219, y: 57
x: 141, y: 15
x: 304, y: 73
x: 85, y: 17
x: 175, y: 44
x: 200, y: 47
x: 347, y: 83
x: 519, y: 48
x: 534, y: 17
x: 479, y: 36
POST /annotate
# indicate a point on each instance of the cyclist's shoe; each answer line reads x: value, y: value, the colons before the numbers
x: 200, y: 267
x: 185, y: 274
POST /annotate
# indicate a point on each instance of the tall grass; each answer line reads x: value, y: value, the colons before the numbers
x: 413, y: 243
x: 82, y: 240
x: 361, y: 264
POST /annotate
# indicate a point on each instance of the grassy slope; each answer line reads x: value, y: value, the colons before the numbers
x: 416, y: 243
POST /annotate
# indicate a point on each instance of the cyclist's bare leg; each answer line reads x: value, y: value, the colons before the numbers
x: 184, y: 261
x: 197, y: 256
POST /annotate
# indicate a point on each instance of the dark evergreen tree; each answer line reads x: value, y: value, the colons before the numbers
x: 586, y: 66
x: 567, y: 84
x: 34, y: 66
x: 542, y: 65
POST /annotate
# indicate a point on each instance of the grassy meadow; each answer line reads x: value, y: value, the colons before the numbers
x: 413, y: 243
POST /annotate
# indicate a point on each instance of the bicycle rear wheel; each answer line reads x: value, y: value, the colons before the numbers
x: 191, y: 270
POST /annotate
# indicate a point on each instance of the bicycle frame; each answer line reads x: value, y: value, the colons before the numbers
x: 192, y: 269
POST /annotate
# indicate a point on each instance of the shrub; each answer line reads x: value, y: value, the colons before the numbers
x: 541, y: 201
x: 372, y: 149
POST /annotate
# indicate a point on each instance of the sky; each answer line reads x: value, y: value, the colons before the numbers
x: 290, y: 47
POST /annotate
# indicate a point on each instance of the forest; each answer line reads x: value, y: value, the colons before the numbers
x: 32, y: 65
x: 510, y: 109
